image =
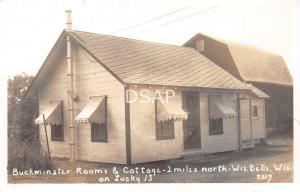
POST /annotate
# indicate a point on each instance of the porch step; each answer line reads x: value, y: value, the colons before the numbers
x: 190, y: 156
x: 192, y: 153
x: 248, y: 144
x: 195, y: 154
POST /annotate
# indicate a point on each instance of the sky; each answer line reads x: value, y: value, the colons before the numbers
x: 29, y: 28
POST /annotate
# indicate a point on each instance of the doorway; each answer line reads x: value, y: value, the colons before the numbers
x: 191, y: 126
x: 246, y: 123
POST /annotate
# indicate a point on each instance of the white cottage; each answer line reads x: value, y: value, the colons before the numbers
x: 117, y: 100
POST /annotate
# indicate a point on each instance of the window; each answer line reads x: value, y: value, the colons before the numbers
x: 99, y: 126
x: 200, y: 45
x: 255, y: 111
x: 98, y: 132
x: 57, y: 132
x: 164, y: 129
x: 215, y: 124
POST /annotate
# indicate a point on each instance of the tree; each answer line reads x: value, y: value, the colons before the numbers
x: 20, y: 113
x: 17, y: 87
x: 24, y: 149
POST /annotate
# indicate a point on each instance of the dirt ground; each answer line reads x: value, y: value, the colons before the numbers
x: 270, y: 162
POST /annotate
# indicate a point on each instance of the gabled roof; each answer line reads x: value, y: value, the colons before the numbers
x: 254, y: 64
x: 140, y: 62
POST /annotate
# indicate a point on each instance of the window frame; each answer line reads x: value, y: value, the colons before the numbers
x: 158, y: 127
x: 54, y: 128
x: 216, y: 130
x: 94, y: 138
x: 100, y: 139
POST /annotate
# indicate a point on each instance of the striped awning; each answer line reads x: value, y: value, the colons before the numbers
x: 169, y: 111
x: 93, y: 112
x: 53, y: 114
x: 221, y: 110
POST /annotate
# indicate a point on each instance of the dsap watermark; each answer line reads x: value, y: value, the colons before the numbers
x: 147, y: 96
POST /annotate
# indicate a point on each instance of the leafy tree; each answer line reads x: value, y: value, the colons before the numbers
x: 24, y: 150
x: 20, y: 114
x: 17, y: 87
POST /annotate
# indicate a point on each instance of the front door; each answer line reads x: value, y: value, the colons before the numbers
x: 246, y: 123
x: 191, y: 126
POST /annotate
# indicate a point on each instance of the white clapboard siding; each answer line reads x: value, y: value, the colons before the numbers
x: 228, y: 141
x: 90, y: 79
x: 144, y: 146
x: 54, y: 88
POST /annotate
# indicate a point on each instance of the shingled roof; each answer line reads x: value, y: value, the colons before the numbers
x: 252, y: 64
x: 141, y: 62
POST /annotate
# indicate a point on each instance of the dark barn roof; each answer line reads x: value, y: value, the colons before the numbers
x: 140, y: 62
x: 252, y: 64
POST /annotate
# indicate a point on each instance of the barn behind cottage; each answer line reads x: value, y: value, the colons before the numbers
x: 87, y: 80
x: 266, y: 71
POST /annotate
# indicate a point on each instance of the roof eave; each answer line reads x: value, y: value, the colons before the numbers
x: 28, y: 93
x: 78, y: 41
x: 270, y: 83
x: 194, y: 87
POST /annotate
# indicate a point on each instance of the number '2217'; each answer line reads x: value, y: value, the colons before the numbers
x: 263, y: 177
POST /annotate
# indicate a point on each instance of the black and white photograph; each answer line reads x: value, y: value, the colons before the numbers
x: 149, y: 92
